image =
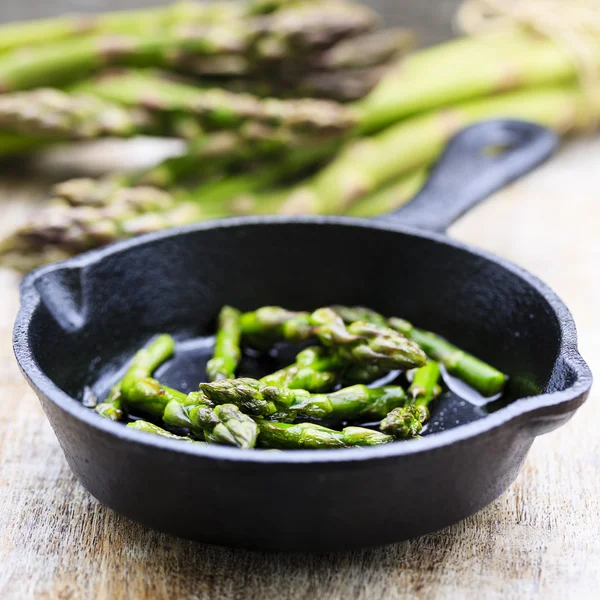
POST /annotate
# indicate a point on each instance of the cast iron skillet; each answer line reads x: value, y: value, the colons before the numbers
x: 82, y: 319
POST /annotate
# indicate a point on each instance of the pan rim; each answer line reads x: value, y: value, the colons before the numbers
x: 518, y: 410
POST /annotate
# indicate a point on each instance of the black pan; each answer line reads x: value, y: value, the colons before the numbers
x: 82, y: 319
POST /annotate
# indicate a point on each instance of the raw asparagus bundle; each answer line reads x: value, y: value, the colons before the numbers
x: 147, y: 21
x: 345, y: 72
x: 362, y: 167
x: 219, y: 109
x: 55, y: 114
x: 231, y: 47
x: 132, y: 103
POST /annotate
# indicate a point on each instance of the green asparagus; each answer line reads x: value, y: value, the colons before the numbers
x: 356, y: 402
x: 272, y: 323
x: 55, y: 114
x: 112, y: 408
x: 232, y: 427
x: 407, y: 421
x: 349, y: 314
x: 156, y: 430
x: 310, y: 436
x: 218, y: 108
x: 227, y: 346
x: 366, y: 343
x: 146, y: 20
x: 484, y: 378
x: 139, y: 391
x: 315, y: 370
x: 245, y: 43
x: 223, y: 424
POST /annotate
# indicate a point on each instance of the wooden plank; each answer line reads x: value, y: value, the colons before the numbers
x: 539, y: 540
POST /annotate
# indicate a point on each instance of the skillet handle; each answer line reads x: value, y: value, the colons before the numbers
x: 572, y: 380
x: 469, y: 171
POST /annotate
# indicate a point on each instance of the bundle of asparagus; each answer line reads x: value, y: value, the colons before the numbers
x: 286, y: 409
x: 250, y: 154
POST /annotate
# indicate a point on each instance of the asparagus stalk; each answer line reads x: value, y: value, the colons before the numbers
x: 369, y: 163
x: 309, y: 436
x: 498, y: 62
x: 262, y: 38
x: 48, y: 112
x: 139, y: 391
x: 407, y: 421
x: 366, y: 165
x: 315, y: 370
x: 147, y: 20
x: 143, y: 364
x: 147, y: 427
x: 350, y: 314
x: 367, y: 50
x: 227, y: 346
x: 232, y: 427
x: 360, y: 343
x: 346, y: 72
x: 88, y: 213
x: 273, y: 323
x: 218, y: 108
x: 366, y: 343
x: 223, y: 424
x: 112, y: 407
x: 352, y: 403
x: 484, y: 378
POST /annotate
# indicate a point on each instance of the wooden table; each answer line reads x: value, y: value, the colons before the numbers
x: 541, y: 539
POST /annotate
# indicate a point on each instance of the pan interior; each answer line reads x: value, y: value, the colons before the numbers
x: 92, y: 319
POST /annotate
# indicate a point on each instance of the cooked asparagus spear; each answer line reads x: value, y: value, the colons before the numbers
x: 310, y: 436
x: 356, y: 402
x: 156, y: 430
x: 232, y: 427
x: 407, y: 421
x: 112, y: 407
x: 227, y: 346
x: 361, y: 342
x: 143, y: 364
x: 366, y: 343
x: 349, y: 314
x: 273, y: 323
x: 484, y: 378
x: 316, y: 370
x: 223, y: 424
x: 139, y: 391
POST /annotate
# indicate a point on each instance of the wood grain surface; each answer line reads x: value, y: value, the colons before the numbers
x: 541, y: 539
